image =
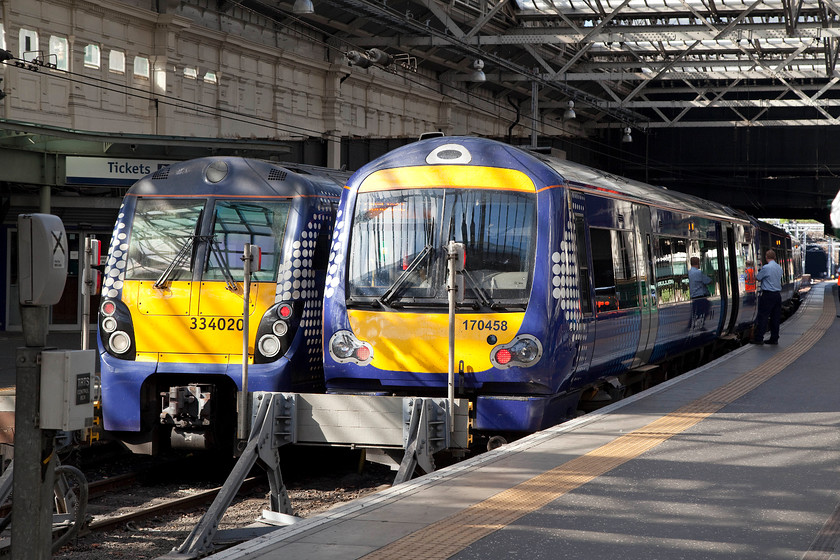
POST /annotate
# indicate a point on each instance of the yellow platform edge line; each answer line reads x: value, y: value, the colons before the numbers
x: 449, y: 536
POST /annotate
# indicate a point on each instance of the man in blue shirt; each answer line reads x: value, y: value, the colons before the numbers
x: 769, y: 278
x: 699, y: 291
x: 697, y: 281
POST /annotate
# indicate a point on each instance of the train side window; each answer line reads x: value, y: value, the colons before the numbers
x: 602, y: 270
x: 613, y: 270
x: 626, y: 281
x: 680, y: 263
x: 709, y: 264
x: 746, y: 268
x: 583, y: 266
x: 666, y: 287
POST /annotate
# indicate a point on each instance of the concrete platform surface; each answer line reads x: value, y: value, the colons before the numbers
x: 737, y: 459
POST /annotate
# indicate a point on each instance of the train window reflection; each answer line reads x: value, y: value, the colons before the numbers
x: 614, y: 270
x: 671, y: 270
x: 256, y: 223
x: 583, y: 265
x: 160, y: 231
x: 709, y: 264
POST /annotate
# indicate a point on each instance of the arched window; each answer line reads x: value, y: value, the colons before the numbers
x: 92, y: 56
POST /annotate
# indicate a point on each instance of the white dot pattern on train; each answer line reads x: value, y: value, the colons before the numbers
x: 336, y: 257
x: 115, y: 267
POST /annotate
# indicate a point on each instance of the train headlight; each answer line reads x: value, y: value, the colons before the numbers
x: 109, y: 324
x: 526, y: 350
x: 344, y: 347
x: 523, y: 351
x: 280, y: 328
x: 269, y: 345
x: 119, y: 342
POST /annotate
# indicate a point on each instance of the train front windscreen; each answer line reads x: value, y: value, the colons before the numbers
x: 398, y: 240
x: 165, y: 237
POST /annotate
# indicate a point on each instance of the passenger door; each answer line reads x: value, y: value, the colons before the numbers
x: 729, y: 272
x: 647, y: 287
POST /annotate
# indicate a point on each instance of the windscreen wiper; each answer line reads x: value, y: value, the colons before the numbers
x: 176, y: 262
x: 478, y: 290
x: 391, y: 293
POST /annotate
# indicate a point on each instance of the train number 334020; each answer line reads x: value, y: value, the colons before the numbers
x: 215, y: 323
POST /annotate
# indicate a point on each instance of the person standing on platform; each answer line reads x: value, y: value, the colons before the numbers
x: 698, y: 289
x: 770, y: 300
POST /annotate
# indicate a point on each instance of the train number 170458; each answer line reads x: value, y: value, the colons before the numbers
x: 215, y: 323
x: 485, y: 325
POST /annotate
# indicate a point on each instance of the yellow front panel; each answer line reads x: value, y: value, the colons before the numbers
x: 210, y: 331
x: 172, y: 299
x: 419, y: 342
x: 217, y: 301
x: 436, y: 176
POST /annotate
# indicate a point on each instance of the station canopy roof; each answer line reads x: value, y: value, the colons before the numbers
x: 639, y: 63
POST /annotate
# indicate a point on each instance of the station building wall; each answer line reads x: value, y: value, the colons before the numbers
x: 181, y: 70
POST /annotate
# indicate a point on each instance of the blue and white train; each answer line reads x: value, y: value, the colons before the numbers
x: 576, y: 280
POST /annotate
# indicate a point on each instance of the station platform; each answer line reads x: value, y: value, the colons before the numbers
x: 736, y: 459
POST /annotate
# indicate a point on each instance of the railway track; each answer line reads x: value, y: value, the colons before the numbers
x: 141, y: 515
x: 194, y: 501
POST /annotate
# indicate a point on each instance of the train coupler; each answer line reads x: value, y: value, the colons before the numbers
x: 186, y: 407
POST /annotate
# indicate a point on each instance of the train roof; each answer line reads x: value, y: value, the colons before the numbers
x: 237, y: 176
x: 492, y: 153
x: 588, y: 177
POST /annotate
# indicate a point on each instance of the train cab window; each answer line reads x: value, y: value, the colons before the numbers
x: 709, y: 264
x: 614, y: 270
x: 398, y: 245
x: 257, y: 223
x: 162, y: 230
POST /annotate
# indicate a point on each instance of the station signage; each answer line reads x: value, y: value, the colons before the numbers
x: 119, y: 172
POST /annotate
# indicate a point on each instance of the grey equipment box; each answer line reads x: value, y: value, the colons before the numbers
x: 67, y: 378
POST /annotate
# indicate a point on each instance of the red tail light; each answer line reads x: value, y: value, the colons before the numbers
x: 503, y: 356
x: 108, y: 308
x: 362, y: 353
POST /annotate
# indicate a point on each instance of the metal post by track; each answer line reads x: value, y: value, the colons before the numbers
x: 87, y: 283
x: 34, y: 469
x: 243, y: 401
x: 271, y: 429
